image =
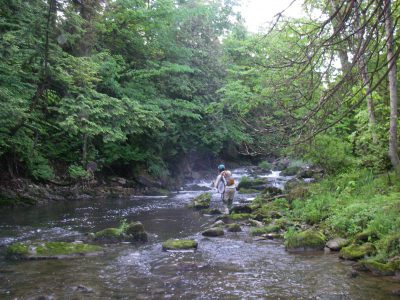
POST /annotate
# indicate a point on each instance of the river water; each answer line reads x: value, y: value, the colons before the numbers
x: 234, y: 266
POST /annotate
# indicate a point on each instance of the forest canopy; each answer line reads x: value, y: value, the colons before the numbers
x: 137, y: 85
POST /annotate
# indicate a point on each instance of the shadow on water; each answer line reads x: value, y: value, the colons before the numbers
x: 234, y: 266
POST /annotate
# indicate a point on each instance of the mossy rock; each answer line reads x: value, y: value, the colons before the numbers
x: 366, y: 236
x: 202, y: 201
x: 356, y: 252
x: 109, y: 234
x: 381, y: 269
x: 50, y: 250
x: 283, y: 223
x: 248, y: 191
x: 271, y: 191
x: 264, y: 230
x: 240, y: 217
x: 179, y: 245
x: 241, y: 209
x: 213, y: 232
x: 246, y: 183
x: 308, y: 240
x: 290, y: 171
x: 255, y: 223
x: 211, y: 211
x: 233, y: 227
x: 132, y: 232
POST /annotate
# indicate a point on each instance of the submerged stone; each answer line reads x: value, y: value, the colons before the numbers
x: 213, y: 232
x: 48, y: 250
x: 309, y: 240
x: 179, y: 245
x: 355, y: 252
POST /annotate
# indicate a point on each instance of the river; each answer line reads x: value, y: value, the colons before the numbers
x: 234, y: 266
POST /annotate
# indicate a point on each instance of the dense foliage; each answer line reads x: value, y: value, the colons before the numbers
x: 134, y: 86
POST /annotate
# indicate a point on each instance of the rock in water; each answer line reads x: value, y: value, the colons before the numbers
x: 356, y: 252
x: 213, y: 232
x: 50, y: 250
x: 233, y: 227
x: 308, y: 240
x: 132, y: 232
x: 202, y: 202
x: 135, y: 232
x: 179, y: 245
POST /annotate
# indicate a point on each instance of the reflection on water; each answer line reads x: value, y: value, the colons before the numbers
x: 231, y: 267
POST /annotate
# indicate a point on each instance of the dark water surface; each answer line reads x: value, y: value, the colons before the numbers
x: 231, y: 267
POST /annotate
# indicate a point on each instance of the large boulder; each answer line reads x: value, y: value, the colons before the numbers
x: 356, y: 252
x: 179, y: 245
x: 50, y: 250
x: 308, y: 240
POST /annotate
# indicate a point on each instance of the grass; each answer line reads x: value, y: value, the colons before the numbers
x: 351, y: 205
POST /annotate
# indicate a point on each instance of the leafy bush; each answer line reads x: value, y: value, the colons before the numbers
x: 330, y: 153
x: 264, y: 165
x: 40, y: 168
x: 78, y: 172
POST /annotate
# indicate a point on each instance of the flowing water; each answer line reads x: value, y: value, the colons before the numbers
x: 234, y: 266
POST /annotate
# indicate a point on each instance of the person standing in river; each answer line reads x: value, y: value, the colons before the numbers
x: 225, y: 184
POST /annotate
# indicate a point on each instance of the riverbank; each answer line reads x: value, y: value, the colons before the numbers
x: 358, y: 208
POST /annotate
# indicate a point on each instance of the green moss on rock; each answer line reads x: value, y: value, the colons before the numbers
x: 233, y: 227
x: 308, y: 240
x: 179, y: 245
x: 381, y: 269
x: 17, y: 249
x: 246, y: 183
x: 202, y: 201
x: 236, y: 217
x: 355, y: 252
x: 132, y: 232
x: 213, y: 232
x: 37, y: 250
x: 265, y: 229
x: 248, y: 191
x: 109, y: 233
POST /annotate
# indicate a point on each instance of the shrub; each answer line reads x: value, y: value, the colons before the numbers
x: 78, y: 172
x: 40, y: 168
x: 330, y: 153
x: 264, y: 165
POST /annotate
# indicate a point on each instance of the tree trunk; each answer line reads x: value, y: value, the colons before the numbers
x: 394, y: 157
x: 362, y: 65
